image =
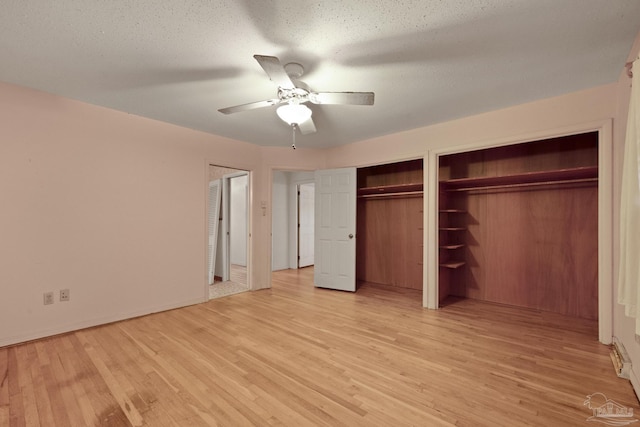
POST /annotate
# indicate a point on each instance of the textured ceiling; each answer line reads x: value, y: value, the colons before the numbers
x: 427, y: 61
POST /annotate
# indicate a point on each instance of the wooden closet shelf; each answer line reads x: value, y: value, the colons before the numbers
x: 452, y: 228
x: 452, y: 211
x: 398, y: 195
x: 391, y: 189
x: 451, y: 246
x: 549, y: 177
x: 452, y: 264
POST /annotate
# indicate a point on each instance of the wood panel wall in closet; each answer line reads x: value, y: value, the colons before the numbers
x: 525, y: 218
x: 390, y: 224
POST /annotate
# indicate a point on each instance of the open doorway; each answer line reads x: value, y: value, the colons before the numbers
x: 292, y: 227
x: 228, y: 231
x: 306, y: 204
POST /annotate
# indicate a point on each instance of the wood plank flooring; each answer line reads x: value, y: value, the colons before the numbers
x: 294, y: 355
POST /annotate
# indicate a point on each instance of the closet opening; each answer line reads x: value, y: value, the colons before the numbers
x: 389, y: 225
x: 519, y: 225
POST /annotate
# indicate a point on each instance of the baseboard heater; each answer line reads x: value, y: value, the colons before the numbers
x: 620, y: 359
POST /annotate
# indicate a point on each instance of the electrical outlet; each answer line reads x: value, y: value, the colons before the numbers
x: 64, y: 295
x: 48, y: 298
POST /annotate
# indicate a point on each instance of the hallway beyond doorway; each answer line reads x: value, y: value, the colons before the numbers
x: 235, y: 285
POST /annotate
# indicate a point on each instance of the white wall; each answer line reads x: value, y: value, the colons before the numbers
x: 112, y: 206
x: 623, y: 326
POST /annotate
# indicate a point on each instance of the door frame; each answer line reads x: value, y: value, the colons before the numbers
x: 605, y: 213
x: 241, y: 170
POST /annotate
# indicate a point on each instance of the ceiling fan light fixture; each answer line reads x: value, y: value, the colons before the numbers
x: 294, y: 113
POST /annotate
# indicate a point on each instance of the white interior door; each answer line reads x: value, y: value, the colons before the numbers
x: 335, y: 229
x: 225, y: 241
x: 214, y: 215
x: 306, y: 202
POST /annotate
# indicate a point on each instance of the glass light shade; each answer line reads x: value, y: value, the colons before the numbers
x: 294, y: 113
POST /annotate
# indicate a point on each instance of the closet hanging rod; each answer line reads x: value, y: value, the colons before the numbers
x: 525, y: 184
x: 391, y: 195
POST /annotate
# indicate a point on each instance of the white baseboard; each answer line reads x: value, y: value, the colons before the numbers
x: 635, y: 383
x: 88, y: 323
x: 620, y: 358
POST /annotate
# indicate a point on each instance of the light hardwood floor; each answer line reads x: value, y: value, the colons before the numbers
x: 296, y: 356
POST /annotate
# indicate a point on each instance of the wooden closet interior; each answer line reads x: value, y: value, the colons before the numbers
x: 390, y: 224
x: 518, y: 225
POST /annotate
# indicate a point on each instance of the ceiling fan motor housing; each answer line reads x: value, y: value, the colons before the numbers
x: 296, y: 95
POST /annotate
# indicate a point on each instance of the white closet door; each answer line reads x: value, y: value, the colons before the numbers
x: 335, y: 226
x: 214, y: 215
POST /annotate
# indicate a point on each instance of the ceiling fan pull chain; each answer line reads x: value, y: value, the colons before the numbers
x: 293, y: 129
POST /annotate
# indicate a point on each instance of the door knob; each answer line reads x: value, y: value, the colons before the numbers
x: 350, y: 236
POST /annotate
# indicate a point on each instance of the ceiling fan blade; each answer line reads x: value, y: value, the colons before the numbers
x: 275, y: 71
x: 350, y: 98
x: 307, y: 126
x: 250, y: 106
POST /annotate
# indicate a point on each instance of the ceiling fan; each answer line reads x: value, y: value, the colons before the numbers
x: 293, y: 111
